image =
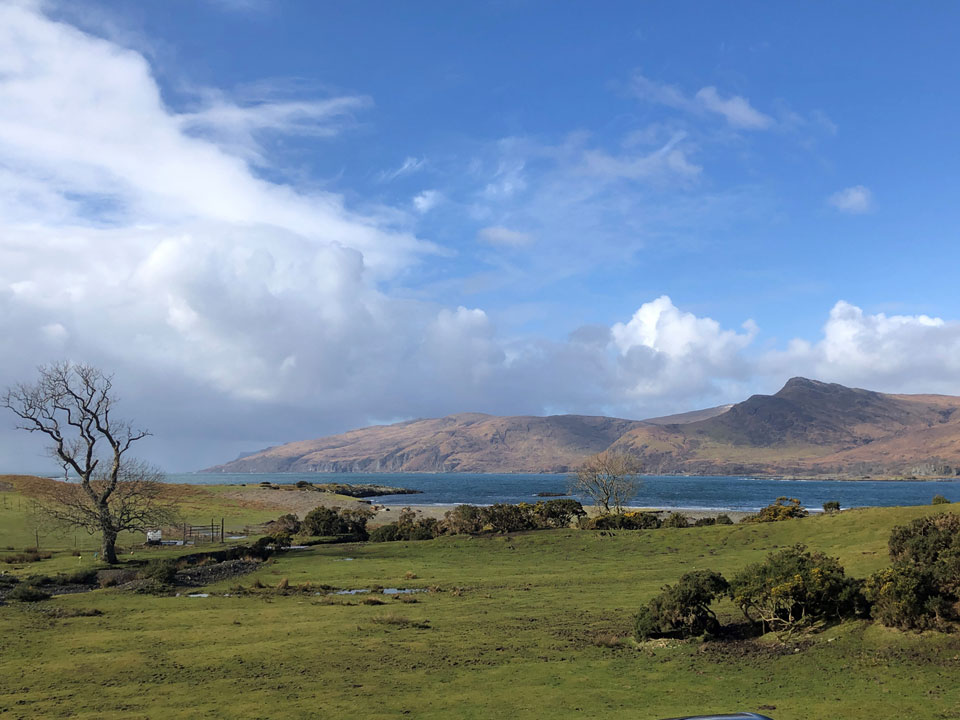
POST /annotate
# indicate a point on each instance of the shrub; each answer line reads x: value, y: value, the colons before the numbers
x: 676, y: 520
x: 907, y: 597
x: 682, y: 609
x: 334, y: 521
x: 161, y: 571
x: 921, y: 589
x: 558, y: 513
x: 939, y: 500
x: 385, y: 533
x: 783, y: 509
x: 505, y: 518
x: 303, y: 484
x: 704, y: 521
x: 27, y: 593
x: 27, y: 556
x: 831, y: 506
x: 285, y: 524
x: 626, y: 521
x: 465, y: 520
x: 795, y: 588
x: 724, y: 520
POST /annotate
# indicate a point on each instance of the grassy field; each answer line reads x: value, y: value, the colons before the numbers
x: 515, y: 626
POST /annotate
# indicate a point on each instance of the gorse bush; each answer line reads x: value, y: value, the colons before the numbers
x: 831, y: 506
x: 339, y: 522
x: 27, y: 593
x: 783, y: 509
x: 626, y: 521
x: 683, y: 609
x: 676, y: 520
x: 939, y: 500
x: 922, y: 587
x: 465, y: 520
x: 796, y: 588
x: 285, y: 524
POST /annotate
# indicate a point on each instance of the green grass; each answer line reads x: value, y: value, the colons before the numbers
x: 511, y: 634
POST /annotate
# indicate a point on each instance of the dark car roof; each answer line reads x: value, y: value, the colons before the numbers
x: 735, y: 716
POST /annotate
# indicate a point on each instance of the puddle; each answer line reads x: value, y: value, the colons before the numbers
x: 342, y: 559
x: 199, y: 595
x: 385, y: 591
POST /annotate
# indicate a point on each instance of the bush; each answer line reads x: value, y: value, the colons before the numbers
x: 465, y: 520
x: 939, y: 500
x: 626, y: 521
x: 831, y: 506
x: 163, y: 571
x: 333, y: 521
x: 285, y: 524
x: 921, y: 589
x: 27, y: 593
x: 27, y: 556
x: 724, y: 520
x: 682, y: 609
x: 795, y: 588
x: 907, y: 597
x: 783, y: 509
x: 505, y: 518
x: 303, y: 484
x: 704, y: 521
x: 385, y: 533
x: 676, y: 520
x: 558, y: 513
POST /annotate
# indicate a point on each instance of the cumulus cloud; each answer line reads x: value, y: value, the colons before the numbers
x: 427, y: 200
x: 855, y: 200
x: 498, y: 235
x: 238, y: 311
x: 896, y: 353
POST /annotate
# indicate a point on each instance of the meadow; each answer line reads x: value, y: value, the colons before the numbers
x: 531, y: 625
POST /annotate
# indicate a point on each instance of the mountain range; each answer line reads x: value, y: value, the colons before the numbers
x: 807, y: 428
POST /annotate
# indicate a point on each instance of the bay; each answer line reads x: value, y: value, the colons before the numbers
x: 658, y: 491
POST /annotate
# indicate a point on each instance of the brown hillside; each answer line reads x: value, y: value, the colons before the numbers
x: 469, y: 442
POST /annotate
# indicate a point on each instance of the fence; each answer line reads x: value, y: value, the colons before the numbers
x: 198, y: 534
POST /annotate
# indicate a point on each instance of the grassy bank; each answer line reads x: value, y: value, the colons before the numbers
x: 526, y: 626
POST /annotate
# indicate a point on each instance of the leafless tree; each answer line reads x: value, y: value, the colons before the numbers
x: 609, y: 478
x: 106, y: 491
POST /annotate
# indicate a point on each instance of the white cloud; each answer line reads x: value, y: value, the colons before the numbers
x: 854, y: 200
x: 409, y: 166
x: 498, y: 235
x: 737, y: 110
x: 425, y: 201
x: 237, y: 127
x: 894, y: 353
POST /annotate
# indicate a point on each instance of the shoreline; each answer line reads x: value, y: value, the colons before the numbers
x: 389, y: 513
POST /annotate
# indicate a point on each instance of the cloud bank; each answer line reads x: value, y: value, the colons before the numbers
x: 238, y: 311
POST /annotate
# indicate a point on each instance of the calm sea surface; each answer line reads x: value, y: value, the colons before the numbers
x: 706, y: 492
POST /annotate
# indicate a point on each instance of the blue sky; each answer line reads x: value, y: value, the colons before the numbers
x: 296, y: 218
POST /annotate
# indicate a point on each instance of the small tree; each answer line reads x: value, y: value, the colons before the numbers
x: 608, y: 479
x: 72, y: 405
x: 682, y: 609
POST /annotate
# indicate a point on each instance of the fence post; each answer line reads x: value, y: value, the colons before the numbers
x: 221, y: 531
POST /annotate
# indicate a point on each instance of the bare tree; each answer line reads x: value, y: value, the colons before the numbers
x: 107, y: 492
x: 608, y: 478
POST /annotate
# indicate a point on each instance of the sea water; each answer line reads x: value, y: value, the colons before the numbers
x: 660, y: 491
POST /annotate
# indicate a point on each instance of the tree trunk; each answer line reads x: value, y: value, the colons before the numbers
x: 108, y: 547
